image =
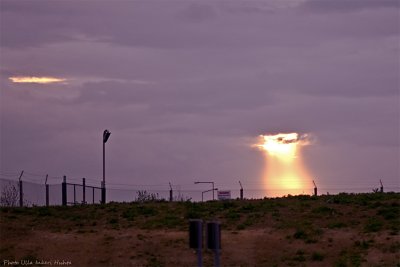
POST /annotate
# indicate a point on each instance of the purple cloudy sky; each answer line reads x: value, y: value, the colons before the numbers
x: 185, y: 87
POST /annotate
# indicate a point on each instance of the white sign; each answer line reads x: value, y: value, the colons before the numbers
x: 223, y: 195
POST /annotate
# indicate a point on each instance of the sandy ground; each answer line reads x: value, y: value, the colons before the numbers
x: 134, y: 247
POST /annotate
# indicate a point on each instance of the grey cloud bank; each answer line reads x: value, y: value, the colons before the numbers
x: 186, y: 87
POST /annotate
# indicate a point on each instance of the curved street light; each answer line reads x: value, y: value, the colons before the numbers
x: 202, y: 193
x: 207, y: 183
x: 106, y: 135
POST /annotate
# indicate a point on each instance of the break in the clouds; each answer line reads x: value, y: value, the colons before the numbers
x: 186, y: 88
x: 33, y: 79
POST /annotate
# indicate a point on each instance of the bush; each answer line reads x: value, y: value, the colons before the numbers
x: 9, y: 196
x: 144, y: 196
x: 147, y: 211
x: 129, y: 214
x: 317, y: 256
x: 324, y: 210
x: 389, y: 213
x: 373, y: 225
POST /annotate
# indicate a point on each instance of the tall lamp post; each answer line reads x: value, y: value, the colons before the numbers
x: 202, y: 193
x: 106, y: 135
x: 207, y: 183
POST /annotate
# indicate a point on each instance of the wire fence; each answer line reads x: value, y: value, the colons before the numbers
x: 33, y: 190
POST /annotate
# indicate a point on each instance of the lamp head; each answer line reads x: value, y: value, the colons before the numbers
x: 106, y: 135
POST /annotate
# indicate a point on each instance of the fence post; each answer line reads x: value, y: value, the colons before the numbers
x: 170, y: 193
x: 84, y: 190
x: 315, y: 189
x: 64, y: 191
x: 93, y: 195
x: 74, y: 195
x: 21, y: 194
x: 103, y: 192
x: 241, y: 191
x: 47, y: 195
x: 47, y: 191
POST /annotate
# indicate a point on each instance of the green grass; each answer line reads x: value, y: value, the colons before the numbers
x: 292, y: 212
x: 307, y: 221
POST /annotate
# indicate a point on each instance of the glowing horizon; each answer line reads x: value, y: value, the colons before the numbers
x: 285, y: 172
x: 34, y: 79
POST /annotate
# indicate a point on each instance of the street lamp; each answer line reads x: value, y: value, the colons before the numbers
x: 207, y: 183
x: 106, y: 135
x: 202, y: 193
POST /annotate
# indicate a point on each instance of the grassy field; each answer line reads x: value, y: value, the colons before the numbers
x: 336, y: 230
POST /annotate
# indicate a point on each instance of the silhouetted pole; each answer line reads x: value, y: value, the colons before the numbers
x: 213, y: 189
x: 64, y: 191
x: 47, y: 191
x: 196, y: 238
x: 106, y: 135
x: 214, y: 240
x: 21, y: 191
x: 381, y: 185
x: 83, y: 191
x: 170, y: 193
x: 202, y: 193
x: 74, y: 195
x: 241, y: 191
x: 315, y: 189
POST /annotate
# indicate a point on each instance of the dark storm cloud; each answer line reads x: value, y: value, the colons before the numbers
x: 203, y: 97
x: 348, y: 5
x: 135, y: 24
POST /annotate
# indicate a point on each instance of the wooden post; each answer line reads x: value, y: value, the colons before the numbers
x: 315, y: 189
x: 47, y: 196
x: 93, y: 195
x: 103, y: 193
x: 74, y: 195
x: 47, y: 191
x: 64, y: 191
x: 241, y: 191
x: 21, y: 194
x: 21, y: 191
x: 170, y: 193
x: 84, y: 190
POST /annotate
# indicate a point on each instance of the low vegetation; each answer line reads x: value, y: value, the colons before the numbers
x: 334, y: 230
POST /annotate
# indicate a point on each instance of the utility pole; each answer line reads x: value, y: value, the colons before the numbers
x: 315, y: 189
x: 241, y: 191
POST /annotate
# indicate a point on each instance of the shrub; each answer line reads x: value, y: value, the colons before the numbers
x: 9, y: 196
x: 324, y: 210
x: 147, y: 211
x: 373, y: 225
x: 144, y: 196
x: 389, y: 213
x: 333, y: 225
x: 129, y: 214
x: 317, y: 256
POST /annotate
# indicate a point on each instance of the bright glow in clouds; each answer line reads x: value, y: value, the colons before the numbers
x: 285, y: 173
x: 30, y: 79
